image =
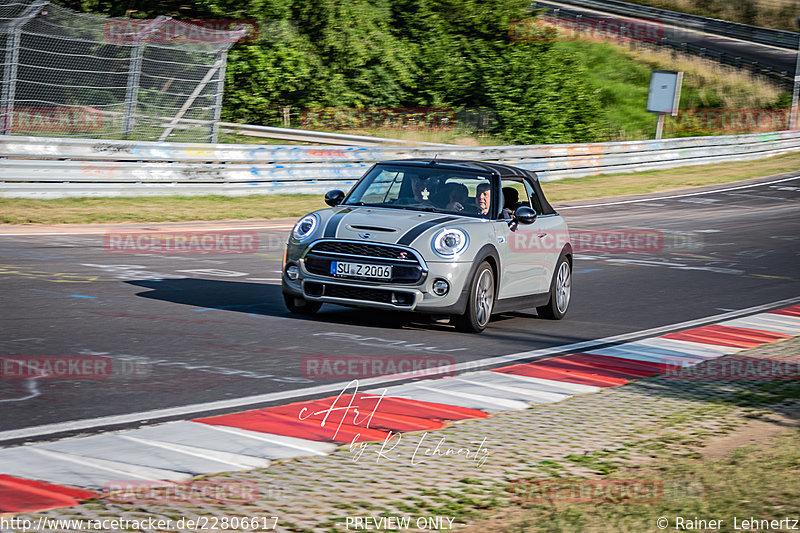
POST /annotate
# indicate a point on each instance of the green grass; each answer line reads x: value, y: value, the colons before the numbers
x: 193, y: 208
x: 622, y: 86
x: 621, y: 76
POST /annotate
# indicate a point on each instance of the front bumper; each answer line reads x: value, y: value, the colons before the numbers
x: 418, y: 297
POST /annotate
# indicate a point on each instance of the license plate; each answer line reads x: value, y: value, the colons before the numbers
x: 360, y: 270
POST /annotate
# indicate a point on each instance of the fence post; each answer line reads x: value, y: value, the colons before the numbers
x: 217, y: 113
x: 135, y: 74
x: 9, y: 83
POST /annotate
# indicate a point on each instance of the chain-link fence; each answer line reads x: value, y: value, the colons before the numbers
x: 77, y: 75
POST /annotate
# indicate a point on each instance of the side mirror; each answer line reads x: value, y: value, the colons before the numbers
x: 524, y: 215
x: 334, y: 197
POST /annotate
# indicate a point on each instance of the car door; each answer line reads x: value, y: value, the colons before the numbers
x: 526, y: 251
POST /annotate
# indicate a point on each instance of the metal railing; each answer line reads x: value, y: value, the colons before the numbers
x: 324, y: 137
x: 36, y: 167
x: 753, y: 66
x: 726, y: 28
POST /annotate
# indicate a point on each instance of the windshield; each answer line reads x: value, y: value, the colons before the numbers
x: 424, y: 189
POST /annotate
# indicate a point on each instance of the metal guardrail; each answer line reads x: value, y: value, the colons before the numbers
x: 754, y: 67
x: 37, y: 167
x: 726, y: 28
x: 323, y: 137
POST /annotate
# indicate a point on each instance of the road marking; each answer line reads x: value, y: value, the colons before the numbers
x: 195, y: 409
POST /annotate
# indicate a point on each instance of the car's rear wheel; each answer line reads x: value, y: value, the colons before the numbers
x: 560, y: 292
x: 300, y: 306
x: 480, y: 302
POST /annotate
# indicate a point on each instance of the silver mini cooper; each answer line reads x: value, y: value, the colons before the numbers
x: 446, y: 237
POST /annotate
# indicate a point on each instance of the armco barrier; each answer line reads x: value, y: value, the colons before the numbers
x: 38, y: 167
x: 744, y: 32
x: 653, y: 16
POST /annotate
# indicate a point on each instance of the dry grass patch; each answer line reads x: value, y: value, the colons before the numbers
x: 722, y: 85
x: 668, y: 179
x: 155, y: 209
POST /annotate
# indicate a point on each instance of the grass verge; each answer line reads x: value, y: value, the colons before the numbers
x: 621, y: 75
x: 751, y: 482
x: 667, y: 179
x: 192, y: 208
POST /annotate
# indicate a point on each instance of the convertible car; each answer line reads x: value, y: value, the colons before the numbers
x: 465, y: 239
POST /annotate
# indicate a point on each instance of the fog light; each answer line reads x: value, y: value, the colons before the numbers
x: 440, y: 287
x: 292, y: 272
x: 401, y: 298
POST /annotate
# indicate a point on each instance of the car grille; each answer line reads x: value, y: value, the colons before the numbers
x: 406, y: 267
x: 362, y: 249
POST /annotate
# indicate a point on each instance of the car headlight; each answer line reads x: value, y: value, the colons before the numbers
x: 304, y: 227
x: 450, y: 242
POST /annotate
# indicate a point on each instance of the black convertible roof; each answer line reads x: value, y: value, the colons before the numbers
x: 493, y: 168
x: 456, y: 164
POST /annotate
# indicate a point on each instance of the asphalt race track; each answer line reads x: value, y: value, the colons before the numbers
x: 185, y: 329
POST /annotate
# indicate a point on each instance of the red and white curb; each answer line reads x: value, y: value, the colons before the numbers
x: 63, y: 473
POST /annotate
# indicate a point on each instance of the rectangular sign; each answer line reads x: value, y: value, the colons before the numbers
x: 665, y: 92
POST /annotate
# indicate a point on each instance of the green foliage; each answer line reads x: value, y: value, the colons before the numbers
x: 542, y: 96
x: 394, y: 53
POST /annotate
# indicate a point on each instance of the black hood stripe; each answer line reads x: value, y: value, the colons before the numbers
x: 419, y: 229
x: 333, y: 223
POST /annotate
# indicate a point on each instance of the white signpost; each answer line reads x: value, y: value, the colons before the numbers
x: 664, y: 95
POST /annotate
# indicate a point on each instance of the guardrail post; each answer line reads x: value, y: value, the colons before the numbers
x: 9, y: 92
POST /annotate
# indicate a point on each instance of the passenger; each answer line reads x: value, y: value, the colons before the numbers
x: 419, y: 186
x: 510, y: 201
x: 457, y: 196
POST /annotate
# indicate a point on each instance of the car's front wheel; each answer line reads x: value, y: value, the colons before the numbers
x: 480, y: 302
x: 300, y: 306
x: 560, y: 292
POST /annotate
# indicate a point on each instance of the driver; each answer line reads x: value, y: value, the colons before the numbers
x: 483, y: 197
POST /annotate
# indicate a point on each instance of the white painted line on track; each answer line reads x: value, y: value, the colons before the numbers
x: 196, y: 409
x: 640, y: 200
